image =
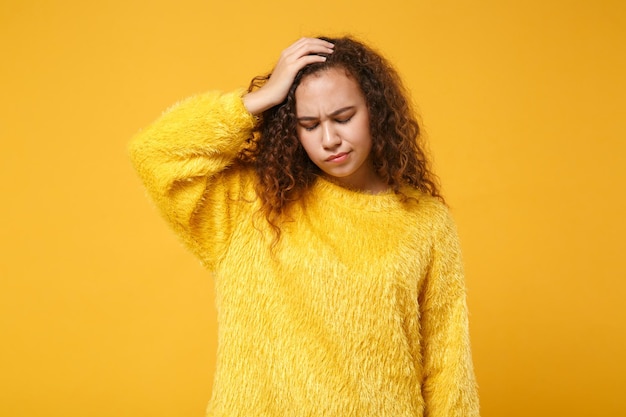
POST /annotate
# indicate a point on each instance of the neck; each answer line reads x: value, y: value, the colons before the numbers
x: 373, y: 185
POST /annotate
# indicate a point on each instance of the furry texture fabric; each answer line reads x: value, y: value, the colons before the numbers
x: 358, y: 310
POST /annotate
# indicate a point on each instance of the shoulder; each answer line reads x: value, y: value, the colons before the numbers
x: 239, y: 181
x: 431, y: 215
x: 426, y: 205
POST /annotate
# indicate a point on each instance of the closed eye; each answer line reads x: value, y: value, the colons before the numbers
x: 309, y: 128
x: 343, y: 121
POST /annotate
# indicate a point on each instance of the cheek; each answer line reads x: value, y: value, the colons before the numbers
x: 306, y: 142
x: 364, y: 135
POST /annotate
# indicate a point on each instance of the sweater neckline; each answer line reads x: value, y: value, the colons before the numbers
x: 329, y: 192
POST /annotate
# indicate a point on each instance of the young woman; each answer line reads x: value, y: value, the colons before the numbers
x: 338, y: 273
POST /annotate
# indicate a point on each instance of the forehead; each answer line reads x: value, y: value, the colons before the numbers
x: 328, y: 90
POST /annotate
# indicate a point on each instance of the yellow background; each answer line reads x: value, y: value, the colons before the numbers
x: 102, y: 313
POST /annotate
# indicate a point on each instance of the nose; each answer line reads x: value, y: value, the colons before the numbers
x: 330, y: 138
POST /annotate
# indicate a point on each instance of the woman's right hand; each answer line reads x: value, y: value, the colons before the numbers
x: 293, y: 59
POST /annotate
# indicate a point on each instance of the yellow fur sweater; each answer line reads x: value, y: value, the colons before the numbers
x: 359, y: 310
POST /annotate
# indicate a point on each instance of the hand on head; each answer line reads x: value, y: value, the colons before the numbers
x: 291, y: 61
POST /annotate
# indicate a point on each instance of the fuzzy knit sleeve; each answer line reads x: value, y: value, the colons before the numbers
x: 181, y: 158
x: 449, y: 386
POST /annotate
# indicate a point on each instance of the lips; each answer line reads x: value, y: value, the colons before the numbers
x: 337, y: 157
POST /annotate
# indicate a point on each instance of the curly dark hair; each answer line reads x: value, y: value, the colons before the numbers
x: 284, y: 169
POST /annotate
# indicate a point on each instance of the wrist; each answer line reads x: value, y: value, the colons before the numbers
x: 257, y: 102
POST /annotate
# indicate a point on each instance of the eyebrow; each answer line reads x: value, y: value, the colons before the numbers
x: 333, y: 114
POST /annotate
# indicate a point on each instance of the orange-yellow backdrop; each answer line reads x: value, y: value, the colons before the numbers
x: 104, y: 314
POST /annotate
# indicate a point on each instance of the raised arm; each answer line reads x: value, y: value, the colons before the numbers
x: 180, y: 156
